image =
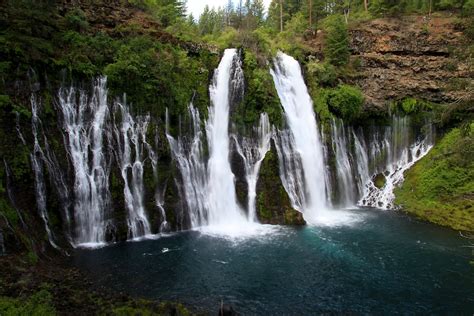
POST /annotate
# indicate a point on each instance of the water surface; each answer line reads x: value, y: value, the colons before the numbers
x: 385, y: 262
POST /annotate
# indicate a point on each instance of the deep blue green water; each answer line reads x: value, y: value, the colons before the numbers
x: 385, y: 263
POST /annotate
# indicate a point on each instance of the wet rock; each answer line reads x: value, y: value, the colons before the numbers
x: 227, y: 310
x: 2, y: 244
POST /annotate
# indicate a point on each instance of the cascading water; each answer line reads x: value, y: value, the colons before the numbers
x: 400, y: 154
x: 132, y: 140
x: 223, y: 208
x: 345, y: 178
x: 37, y: 157
x: 208, y: 187
x: 301, y: 120
x: 291, y: 170
x: 362, y: 161
x: 253, y: 150
x: 189, y: 156
x: 159, y: 194
x: 84, y: 121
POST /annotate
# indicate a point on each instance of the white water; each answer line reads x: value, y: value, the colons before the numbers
x: 253, y: 150
x: 37, y: 157
x: 305, y: 138
x: 401, y: 154
x: 132, y: 141
x: 291, y: 170
x: 189, y: 156
x: 84, y: 123
x: 224, y: 212
x: 345, y: 177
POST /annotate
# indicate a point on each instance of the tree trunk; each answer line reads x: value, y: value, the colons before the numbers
x: 281, y: 15
x: 366, y: 5
x: 310, y: 13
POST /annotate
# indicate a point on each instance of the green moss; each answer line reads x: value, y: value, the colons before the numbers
x: 380, y: 181
x: 260, y: 95
x: 38, y: 304
x: 440, y: 187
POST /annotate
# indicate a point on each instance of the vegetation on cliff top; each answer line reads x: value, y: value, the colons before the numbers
x: 440, y: 187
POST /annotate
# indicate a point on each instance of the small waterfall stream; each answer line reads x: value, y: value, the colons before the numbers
x: 131, y: 138
x: 253, y: 150
x: 84, y: 122
x: 188, y: 153
x: 37, y: 158
x: 401, y: 151
x: 344, y: 163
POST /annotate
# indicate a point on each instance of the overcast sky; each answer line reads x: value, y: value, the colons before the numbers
x: 197, y: 6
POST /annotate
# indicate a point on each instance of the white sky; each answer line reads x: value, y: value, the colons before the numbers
x: 197, y: 6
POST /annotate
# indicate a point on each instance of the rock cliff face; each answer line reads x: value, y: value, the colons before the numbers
x: 410, y: 57
x: 407, y: 57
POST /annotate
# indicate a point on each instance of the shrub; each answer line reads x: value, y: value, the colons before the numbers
x: 345, y: 101
x: 324, y: 73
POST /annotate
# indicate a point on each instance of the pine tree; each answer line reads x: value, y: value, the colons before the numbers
x: 336, y: 46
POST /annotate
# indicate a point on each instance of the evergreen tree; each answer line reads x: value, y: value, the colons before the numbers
x: 336, y: 45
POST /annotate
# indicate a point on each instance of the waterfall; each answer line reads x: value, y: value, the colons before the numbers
x: 291, y: 169
x: 253, y: 150
x: 305, y: 138
x: 37, y: 157
x: 345, y: 180
x: 400, y: 153
x: 189, y: 156
x: 208, y: 186
x: 132, y: 141
x: 362, y: 160
x: 84, y: 123
x: 159, y: 194
x: 223, y: 208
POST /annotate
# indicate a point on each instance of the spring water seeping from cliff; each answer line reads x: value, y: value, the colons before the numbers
x: 84, y: 122
x: 253, y: 149
x: 306, y: 183
x: 401, y: 148
x: 370, y: 162
x: 131, y: 136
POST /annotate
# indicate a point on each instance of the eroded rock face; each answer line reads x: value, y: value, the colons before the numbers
x: 273, y: 203
x: 409, y: 57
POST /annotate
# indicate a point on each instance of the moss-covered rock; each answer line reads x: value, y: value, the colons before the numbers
x: 440, y: 187
x: 273, y: 203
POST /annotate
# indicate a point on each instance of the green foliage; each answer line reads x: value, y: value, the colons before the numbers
x: 38, y: 304
x: 9, y: 213
x: 320, y: 101
x: 345, y: 101
x: 324, y: 73
x: 336, y: 43
x: 440, y: 187
x: 413, y: 106
x: 167, y: 12
x: 260, y: 95
x: 76, y: 20
x: 155, y: 76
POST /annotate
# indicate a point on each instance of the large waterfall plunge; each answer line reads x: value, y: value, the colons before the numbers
x: 223, y: 207
x: 305, y: 140
x: 209, y: 188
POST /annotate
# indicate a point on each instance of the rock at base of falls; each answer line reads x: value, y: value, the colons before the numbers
x: 273, y: 204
